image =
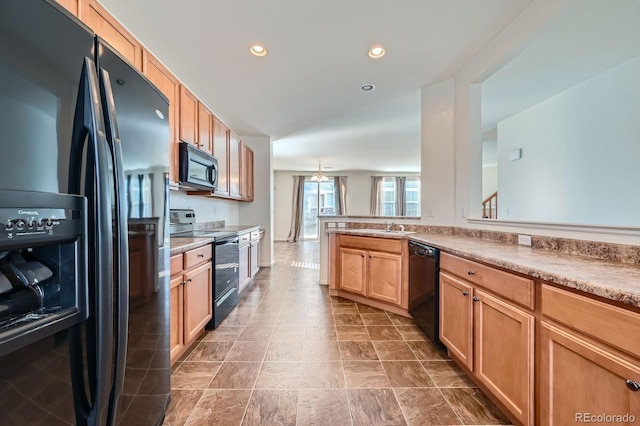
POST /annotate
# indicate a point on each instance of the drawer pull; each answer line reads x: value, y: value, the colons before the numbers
x: 189, y: 280
x: 201, y: 255
x: 470, y: 272
x: 183, y: 283
x: 465, y: 293
x: 475, y: 299
x: 634, y: 386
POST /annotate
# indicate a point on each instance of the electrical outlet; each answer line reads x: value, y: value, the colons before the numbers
x: 342, y: 225
x: 524, y: 240
x: 331, y: 225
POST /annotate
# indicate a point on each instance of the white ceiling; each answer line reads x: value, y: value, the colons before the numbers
x: 586, y: 39
x: 305, y: 93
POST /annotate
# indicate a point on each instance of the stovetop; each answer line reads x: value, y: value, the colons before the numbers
x: 218, y: 235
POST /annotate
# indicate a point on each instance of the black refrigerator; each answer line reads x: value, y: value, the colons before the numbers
x: 84, y: 247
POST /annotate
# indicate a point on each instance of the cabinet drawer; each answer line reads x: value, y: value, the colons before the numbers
x: 176, y: 264
x: 610, y: 324
x: 255, y: 235
x: 244, y: 238
x: 373, y: 243
x: 508, y: 286
x: 197, y: 256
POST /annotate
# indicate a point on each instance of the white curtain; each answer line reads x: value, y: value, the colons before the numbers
x: 340, y: 191
x: 401, y: 196
x: 296, y: 209
x: 376, y: 189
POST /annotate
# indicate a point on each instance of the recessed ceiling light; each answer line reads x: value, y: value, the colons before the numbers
x: 368, y: 87
x: 376, y: 52
x: 258, y: 50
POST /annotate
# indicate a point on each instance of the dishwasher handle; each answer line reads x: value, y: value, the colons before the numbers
x: 422, y: 250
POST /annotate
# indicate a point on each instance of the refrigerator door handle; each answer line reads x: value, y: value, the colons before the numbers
x: 89, y: 126
x: 121, y: 255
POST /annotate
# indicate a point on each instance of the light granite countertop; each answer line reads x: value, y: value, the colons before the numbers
x: 612, y: 280
x: 179, y: 245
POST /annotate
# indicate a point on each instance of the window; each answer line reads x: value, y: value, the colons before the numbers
x: 389, y: 199
x: 319, y: 198
x: 412, y: 191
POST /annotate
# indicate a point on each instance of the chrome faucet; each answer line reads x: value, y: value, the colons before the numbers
x: 402, y: 228
x: 388, y: 225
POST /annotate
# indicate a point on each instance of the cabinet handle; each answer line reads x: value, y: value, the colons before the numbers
x: 370, y: 257
x: 201, y: 255
x: 470, y: 272
x: 362, y: 255
x: 183, y: 283
x: 475, y: 299
x: 634, y: 386
x: 465, y: 293
x: 189, y: 280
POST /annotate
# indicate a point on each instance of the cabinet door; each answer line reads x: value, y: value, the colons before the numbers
x: 255, y: 258
x: 205, y: 133
x: 198, y: 299
x: 176, y: 317
x: 244, y: 267
x: 353, y: 270
x: 234, y: 166
x: 188, y: 116
x: 384, y: 277
x: 579, y: 377
x: 504, y: 353
x: 456, y: 318
x: 107, y: 27
x: 73, y: 6
x: 169, y: 85
x: 221, y: 152
x: 246, y: 172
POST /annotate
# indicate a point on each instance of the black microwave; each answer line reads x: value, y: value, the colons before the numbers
x: 197, y: 169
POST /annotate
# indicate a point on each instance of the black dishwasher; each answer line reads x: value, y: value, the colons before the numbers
x: 424, y: 289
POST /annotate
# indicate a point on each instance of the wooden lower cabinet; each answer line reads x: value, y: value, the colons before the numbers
x: 504, y: 353
x: 491, y: 337
x: 191, y: 298
x: 384, y: 277
x: 580, y: 377
x: 353, y: 271
x: 456, y: 318
x: 249, y: 250
x: 371, y: 268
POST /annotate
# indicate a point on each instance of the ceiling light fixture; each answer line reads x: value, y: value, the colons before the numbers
x: 376, y: 52
x: 319, y: 176
x: 368, y: 87
x: 258, y: 50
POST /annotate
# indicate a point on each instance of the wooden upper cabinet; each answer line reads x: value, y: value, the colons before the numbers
x: 169, y: 85
x: 205, y: 131
x: 73, y: 6
x: 221, y: 135
x: 246, y: 172
x: 109, y: 29
x: 234, y: 166
x: 188, y: 116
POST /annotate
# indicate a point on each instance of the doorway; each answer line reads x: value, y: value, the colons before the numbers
x: 319, y: 199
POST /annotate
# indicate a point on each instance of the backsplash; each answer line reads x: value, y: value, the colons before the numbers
x: 599, y: 250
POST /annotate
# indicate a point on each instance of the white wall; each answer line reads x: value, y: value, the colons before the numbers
x: 438, y: 161
x: 358, y: 195
x: 260, y: 211
x: 489, y: 180
x: 580, y: 153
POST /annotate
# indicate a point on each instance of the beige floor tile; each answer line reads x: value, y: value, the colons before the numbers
x: 272, y: 407
x: 374, y: 407
x: 473, y: 407
x: 284, y: 351
x: 183, y: 402
x: 407, y: 374
x: 210, y: 351
x: 352, y: 332
x: 358, y: 351
x: 322, y: 375
x: 247, y: 351
x: 194, y: 375
x: 365, y: 374
x: 383, y: 332
x: 425, y: 406
x: 323, y: 407
x: 392, y: 350
x: 375, y: 319
x: 279, y: 375
x: 220, y: 407
x: 446, y: 374
x: 320, y: 351
x: 236, y: 375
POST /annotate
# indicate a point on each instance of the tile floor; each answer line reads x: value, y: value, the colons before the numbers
x: 290, y: 354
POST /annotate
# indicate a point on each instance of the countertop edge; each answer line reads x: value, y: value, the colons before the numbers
x: 183, y: 244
